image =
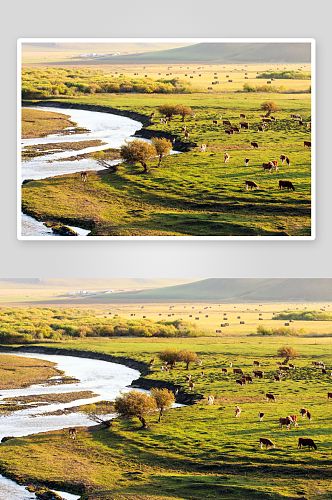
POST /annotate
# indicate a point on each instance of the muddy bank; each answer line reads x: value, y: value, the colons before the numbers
x: 144, y: 132
x: 143, y: 368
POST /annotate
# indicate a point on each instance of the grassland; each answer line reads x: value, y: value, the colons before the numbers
x: 21, y: 372
x: 198, y: 451
x: 193, y: 193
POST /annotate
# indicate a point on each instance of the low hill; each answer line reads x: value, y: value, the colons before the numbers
x: 236, y: 290
x: 218, y: 53
x: 89, y: 283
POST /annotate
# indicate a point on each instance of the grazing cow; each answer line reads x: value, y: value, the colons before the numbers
x: 324, y: 372
x: 254, y: 145
x: 229, y: 131
x: 238, y: 370
x: 241, y: 381
x: 152, y: 361
x: 152, y: 115
x: 287, y: 161
x: 309, y: 415
x: 202, y: 373
x: 306, y: 442
x: 257, y: 363
x: 237, y: 411
x: 282, y: 158
x: 300, y: 122
x: 258, y: 374
x: 296, y: 117
x: 210, y: 400
x: 242, y: 116
x: 266, y: 443
x: 244, y: 125
x: 318, y: 363
x: 164, y: 369
x: 230, y: 364
x: 294, y: 418
x: 260, y: 129
x: 84, y: 176
x: 203, y: 148
x: 308, y: 125
x: 276, y: 378
x: 248, y: 378
x: 251, y: 184
x: 196, y: 124
x: 273, y: 118
x: 286, y: 184
x: 307, y: 143
x: 261, y: 415
x: 72, y: 433
x: 236, y: 129
x: 285, y: 421
x: 215, y: 122
x: 246, y: 160
x: 270, y: 397
x: 303, y: 412
x: 275, y: 164
x: 226, y: 122
x: 291, y: 366
x: 224, y: 370
x: 329, y: 395
x: 268, y: 166
x: 226, y: 157
x: 191, y: 386
x: 184, y: 128
x: 278, y: 363
x: 266, y: 120
x: 261, y: 116
x: 188, y: 377
x: 283, y: 368
x: 186, y: 135
x: 176, y: 392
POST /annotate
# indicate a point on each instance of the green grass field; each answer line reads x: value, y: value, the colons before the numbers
x: 198, y: 451
x: 193, y: 193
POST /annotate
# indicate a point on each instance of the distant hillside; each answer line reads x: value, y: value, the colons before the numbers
x: 236, y: 290
x: 218, y: 53
x: 89, y: 283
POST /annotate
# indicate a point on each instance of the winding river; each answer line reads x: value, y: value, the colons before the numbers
x: 111, y: 129
x: 103, y: 378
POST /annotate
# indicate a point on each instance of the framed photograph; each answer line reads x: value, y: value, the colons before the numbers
x: 175, y: 139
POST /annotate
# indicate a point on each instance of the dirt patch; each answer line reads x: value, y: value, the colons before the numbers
x: 47, y: 149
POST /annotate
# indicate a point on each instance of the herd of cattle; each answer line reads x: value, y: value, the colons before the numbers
x: 266, y: 166
x: 287, y: 421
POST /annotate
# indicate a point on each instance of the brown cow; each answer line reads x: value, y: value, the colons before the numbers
x: 238, y: 370
x: 242, y: 116
x: 258, y: 374
x: 307, y: 143
x: 84, y: 176
x: 294, y: 418
x: 246, y: 160
x: 254, y: 145
x: 309, y: 415
x: 283, y: 368
x: 266, y: 442
x: 240, y: 381
x: 244, y: 125
x: 229, y: 131
x: 191, y: 385
x: 226, y: 157
x: 275, y: 164
x: 224, y: 370
x: 257, y: 363
x: 306, y: 442
x: 186, y: 135
x: 248, y: 378
x: 286, y: 184
x: 276, y: 378
x: 226, y: 122
x: 215, y: 122
x: 268, y: 166
x: 260, y: 129
x: 329, y: 395
x: 282, y: 158
x: 236, y: 129
x: 261, y: 415
x: 237, y: 411
x: 270, y: 397
x: 285, y: 421
x: 303, y: 412
x: 72, y: 433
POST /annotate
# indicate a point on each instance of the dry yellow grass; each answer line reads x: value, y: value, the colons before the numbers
x: 17, y: 372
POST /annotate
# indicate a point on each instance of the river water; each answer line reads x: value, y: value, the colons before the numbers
x: 103, y: 378
x: 111, y: 129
